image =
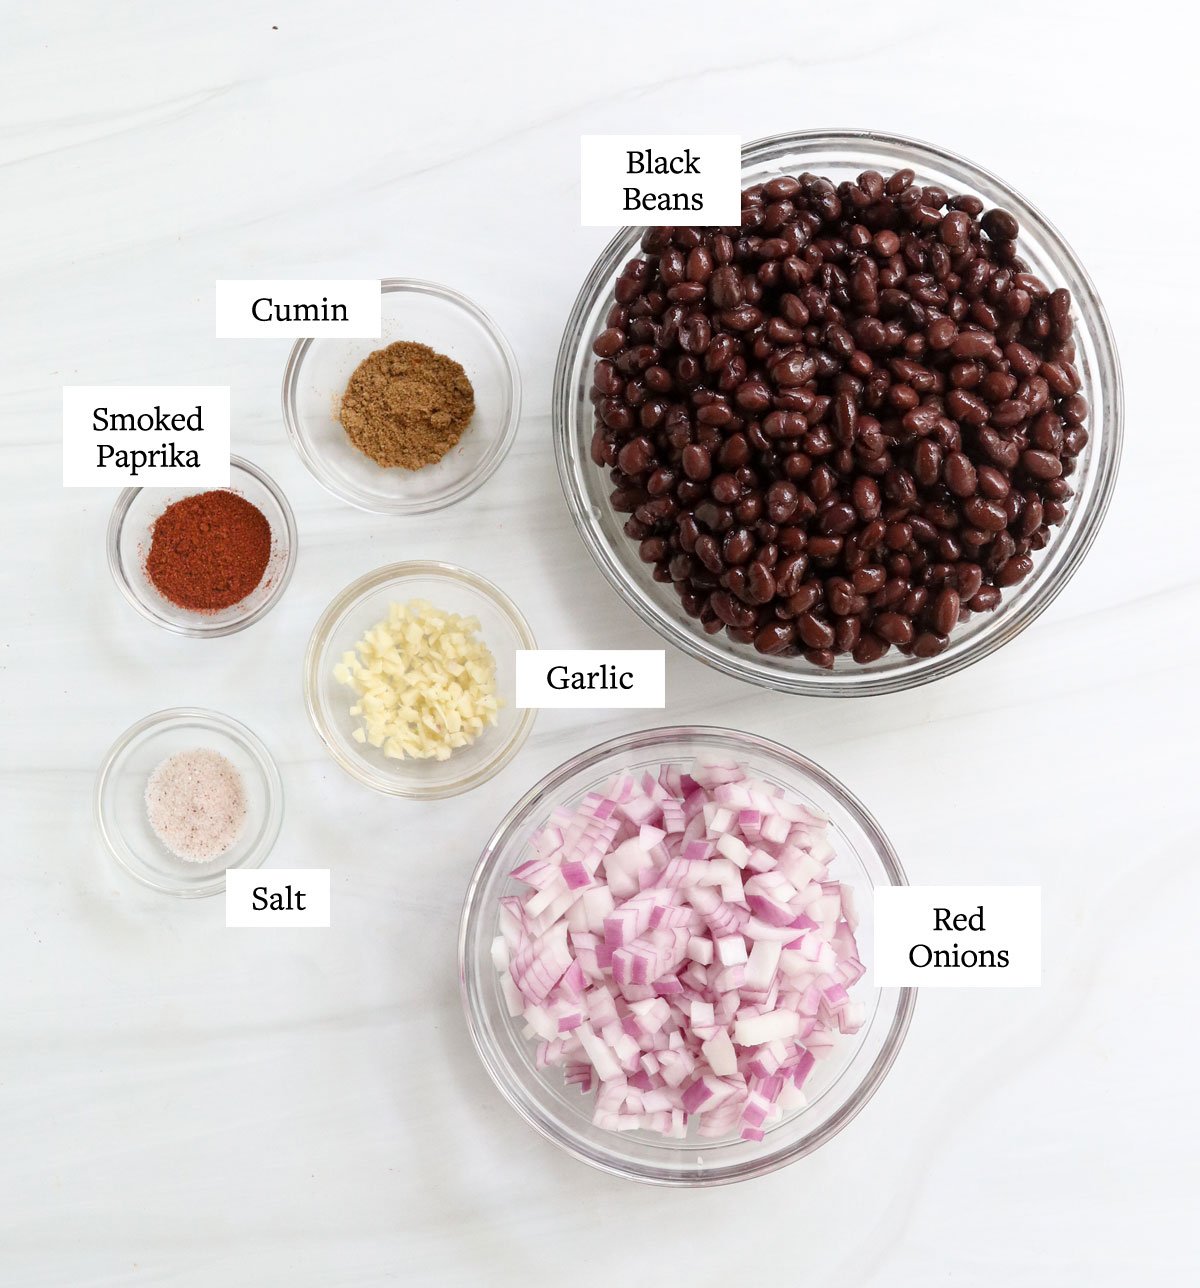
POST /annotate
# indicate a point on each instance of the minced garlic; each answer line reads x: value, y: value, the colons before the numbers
x: 426, y: 683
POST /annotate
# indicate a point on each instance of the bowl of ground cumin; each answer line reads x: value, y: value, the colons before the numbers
x: 204, y: 561
x: 412, y: 421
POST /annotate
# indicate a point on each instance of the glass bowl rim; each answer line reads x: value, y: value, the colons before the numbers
x: 197, y: 630
x: 472, y: 481
x: 318, y: 642
x: 234, y: 729
x: 640, y: 740
x: 1106, y: 442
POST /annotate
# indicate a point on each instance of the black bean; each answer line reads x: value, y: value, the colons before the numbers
x: 760, y: 584
x: 775, y: 637
x: 1040, y: 464
x: 782, y: 501
x: 695, y: 333
x: 929, y: 644
x: 636, y: 457
x: 972, y: 344
x: 997, y: 386
x: 838, y: 519
x: 986, y: 515
x: 725, y: 287
x: 866, y: 496
x: 1009, y: 413
x: 960, y: 473
x: 737, y: 547
x: 945, y: 611
x: 869, y: 579
x: 726, y: 488
x: 608, y: 343
x: 941, y: 333
x: 846, y: 634
x: 814, y: 632
x: 895, y: 628
x: 870, y: 648
x: 999, y: 225
x: 927, y: 463
x: 993, y: 483
x: 955, y: 229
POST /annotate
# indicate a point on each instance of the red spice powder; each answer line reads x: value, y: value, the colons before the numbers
x: 208, y: 551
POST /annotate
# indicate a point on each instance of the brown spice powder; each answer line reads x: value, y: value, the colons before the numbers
x: 407, y: 405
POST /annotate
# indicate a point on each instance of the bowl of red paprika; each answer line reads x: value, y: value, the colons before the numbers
x: 204, y: 561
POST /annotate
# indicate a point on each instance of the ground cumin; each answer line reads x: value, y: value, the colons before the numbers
x: 406, y: 406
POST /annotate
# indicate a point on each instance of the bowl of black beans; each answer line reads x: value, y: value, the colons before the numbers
x: 854, y: 444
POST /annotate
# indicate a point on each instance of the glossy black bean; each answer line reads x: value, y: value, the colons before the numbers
x: 999, y: 225
x: 893, y: 627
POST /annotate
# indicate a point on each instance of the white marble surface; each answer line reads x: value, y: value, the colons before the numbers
x: 185, y: 1105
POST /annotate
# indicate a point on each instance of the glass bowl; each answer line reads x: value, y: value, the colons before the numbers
x: 317, y: 373
x: 120, y: 804
x: 129, y: 529
x: 838, y: 1086
x: 838, y: 156
x: 359, y: 607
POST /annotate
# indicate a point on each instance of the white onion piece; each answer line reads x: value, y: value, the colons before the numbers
x: 681, y: 951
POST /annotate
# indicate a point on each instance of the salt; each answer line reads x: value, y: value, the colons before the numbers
x: 196, y: 804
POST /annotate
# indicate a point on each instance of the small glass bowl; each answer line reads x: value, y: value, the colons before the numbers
x: 129, y: 529
x: 359, y: 607
x: 838, y: 1087
x: 120, y: 799
x: 838, y: 156
x: 318, y: 371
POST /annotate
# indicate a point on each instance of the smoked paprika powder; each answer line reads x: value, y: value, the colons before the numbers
x: 208, y: 551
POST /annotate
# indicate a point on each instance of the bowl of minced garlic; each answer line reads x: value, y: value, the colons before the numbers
x: 409, y: 679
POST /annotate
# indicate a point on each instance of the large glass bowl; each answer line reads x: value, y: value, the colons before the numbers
x: 838, y: 156
x: 838, y: 1086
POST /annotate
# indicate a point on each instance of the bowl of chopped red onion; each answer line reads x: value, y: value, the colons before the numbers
x: 665, y: 957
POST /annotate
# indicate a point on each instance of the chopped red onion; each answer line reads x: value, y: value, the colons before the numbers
x: 681, y: 950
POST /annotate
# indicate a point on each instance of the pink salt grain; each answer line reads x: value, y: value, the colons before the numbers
x: 196, y: 804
